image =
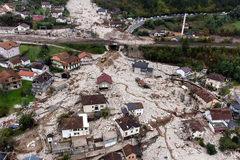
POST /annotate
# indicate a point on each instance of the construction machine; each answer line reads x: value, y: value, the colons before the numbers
x: 103, y: 59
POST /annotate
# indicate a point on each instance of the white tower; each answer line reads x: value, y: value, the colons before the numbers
x: 183, y: 25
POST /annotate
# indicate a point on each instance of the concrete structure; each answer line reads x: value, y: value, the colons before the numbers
x: 104, y: 81
x: 110, y: 138
x: 85, y: 58
x: 215, y: 80
x: 27, y: 75
x: 184, y: 71
x: 79, y: 145
x: 74, y: 126
x: 141, y: 67
x: 64, y: 61
x: 31, y: 158
x: 135, y: 108
x: 218, y: 118
x: 128, y: 126
x: 205, y: 98
x: 9, y: 49
x: 59, y: 85
x: 41, y: 82
x: 10, y: 80
x: 191, y: 129
x: 93, y: 103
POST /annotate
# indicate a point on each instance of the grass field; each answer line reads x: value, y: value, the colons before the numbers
x: 237, y: 24
x: 170, y: 25
x: 33, y: 52
x: 90, y: 48
x: 9, y: 99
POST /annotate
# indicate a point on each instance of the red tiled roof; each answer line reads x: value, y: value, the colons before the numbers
x: 221, y: 113
x: 8, y: 45
x: 216, y: 77
x: 5, y: 74
x: 205, y: 95
x: 25, y: 73
x: 205, y: 67
x: 10, y: 5
x: 128, y: 150
x: 37, y: 17
x: 104, y: 77
x: 84, y: 54
x: 71, y: 123
x: 45, y: 3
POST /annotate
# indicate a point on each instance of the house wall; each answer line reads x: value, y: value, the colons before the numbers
x: 235, y: 110
x: 91, y: 108
x: 86, y: 60
x: 20, y: 28
x: 72, y: 66
x: 213, y: 83
x: 40, y: 71
x: 61, y: 21
x: 137, y: 70
x: 8, y: 8
x: 4, y: 31
x: 131, y: 157
x: 198, y: 134
x: 56, y: 15
x: 181, y: 72
x: 27, y: 78
x: 24, y: 16
x: 211, y: 104
x: 105, y: 85
x: 14, y: 65
x: 14, y: 51
x: 42, y: 87
x: 46, y: 6
x: 25, y: 62
x: 129, y: 132
x: 138, y: 112
x: 78, y: 132
x: 13, y: 83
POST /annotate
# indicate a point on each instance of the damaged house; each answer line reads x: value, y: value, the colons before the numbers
x: 93, y: 103
x: 204, y: 97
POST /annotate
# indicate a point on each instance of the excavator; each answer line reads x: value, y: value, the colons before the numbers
x: 103, y: 59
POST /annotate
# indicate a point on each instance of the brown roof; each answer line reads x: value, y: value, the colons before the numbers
x: 71, y: 123
x: 84, y: 54
x: 115, y: 22
x: 216, y: 77
x: 5, y: 74
x: 8, y: 45
x: 112, y: 156
x: 127, y: 122
x: 25, y: 73
x: 61, y: 55
x: 71, y: 59
x: 15, y: 60
x: 45, y: 3
x: 104, y: 77
x: 128, y: 150
x: 56, y: 11
x: 194, y: 125
x: 93, y: 99
x: 221, y: 113
x: 37, y: 65
x: 44, y: 77
x: 203, y: 94
x: 24, y: 58
x: 10, y: 5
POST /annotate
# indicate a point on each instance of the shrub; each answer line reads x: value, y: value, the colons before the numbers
x: 224, y: 91
x: 211, y: 150
x: 217, y: 105
x: 104, y: 113
x: 200, y: 141
x: 235, y: 139
x: 3, y: 112
x: 64, y: 115
x: 26, y: 121
x: 226, y: 143
x: 24, y: 102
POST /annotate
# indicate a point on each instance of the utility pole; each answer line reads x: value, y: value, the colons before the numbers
x: 183, y: 24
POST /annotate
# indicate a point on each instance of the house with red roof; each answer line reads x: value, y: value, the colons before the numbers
x: 37, y: 17
x: 104, y: 81
x: 85, y: 58
x: 27, y: 75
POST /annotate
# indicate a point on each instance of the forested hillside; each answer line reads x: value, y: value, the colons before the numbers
x: 147, y: 8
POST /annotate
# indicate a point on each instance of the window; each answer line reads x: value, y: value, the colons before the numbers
x: 92, y: 106
x: 126, y: 133
x: 86, y: 128
x: 131, y: 131
x: 132, y: 156
x: 76, y: 134
x: 101, y: 106
x: 136, y: 130
x: 129, y: 157
x: 80, y: 129
x: 74, y: 129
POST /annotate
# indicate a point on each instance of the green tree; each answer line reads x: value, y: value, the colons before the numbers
x: 26, y: 121
x: 24, y: 102
x: 63, y: 115
x: 211, y: 150
x: 149, y: 24
x: 104, y: 113
x: 226, y: 143
x: 217, y: 105
x: 224, y: 91
x: 34, y: 26
x: 185, y: 45
x: 6, y: 141
x: 235, y: 139
x: 65, y: 157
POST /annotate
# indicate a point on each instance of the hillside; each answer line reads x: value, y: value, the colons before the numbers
x: 158, y: 7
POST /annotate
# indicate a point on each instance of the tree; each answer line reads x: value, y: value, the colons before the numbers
x: 26, y: 121
x: 205, y: 31
x: 224, y: 91
x: 6, y: 142
x: 211, y: 150
x: 149, y: 24
x: 24, y: 102
x: 185, y: 45
x: 227, y: 143
x: 34, y: 26
x: 104, y: 113
x: 235, y: 139
x: 3, y: 112
x: 63, y: 115
x: 217, y: 105
x: 65, y: 157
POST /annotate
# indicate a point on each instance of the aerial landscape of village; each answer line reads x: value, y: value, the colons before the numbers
x: 119, y: 80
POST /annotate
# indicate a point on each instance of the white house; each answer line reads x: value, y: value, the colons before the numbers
x: 102, y: 11
x: 39, y: 68
x: 56, y: 13
x: 93, y: 103
x: 50, y: 138
x: 46, y: 4
x: 27, y: 75
x: 74, y: 126
x: 7, y: 30
x: 85, y: 58
x: 22, y: 28
x: 128, y: 126
x: 14, y: 62
x: 192, y: 129
x: 9, y: 49
x: 135, y: 108
x: 25, y: 60
x: 184, y: 71
x: 141, y: 67
x: 25, y: 14
x: 61, y: 20
x: 218, y: 118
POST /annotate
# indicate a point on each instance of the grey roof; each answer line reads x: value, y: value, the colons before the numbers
x: 150, y: 70
x: 124, y: 111
x: 131, y: 106
x: 177, y: 37
x: 232, y: 124
x: 24, y: 25
x: 102, y: 10
x: 2, y: 155
x: 238, y: 100
x: 236, y: 106
x: 138, y: 150
x: 187, y: 34
x: 186, y: 69
x: 153, y: 32
x: 140, y: 64
x: 24, y: 58
x: 31, y: 158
